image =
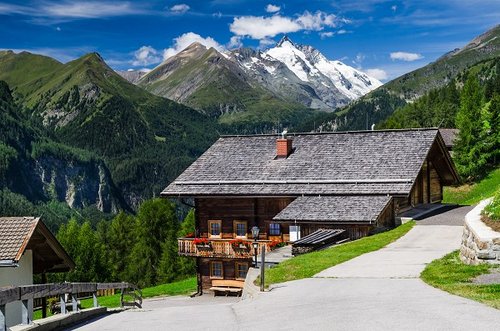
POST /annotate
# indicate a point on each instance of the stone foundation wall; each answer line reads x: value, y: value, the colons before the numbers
x: 479, y: 242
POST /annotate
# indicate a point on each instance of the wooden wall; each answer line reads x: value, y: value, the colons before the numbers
x: 428, y: 187
x: 229, y: 267
x: 386, y: 218
x: 436, y: 187
x: 256, y: 211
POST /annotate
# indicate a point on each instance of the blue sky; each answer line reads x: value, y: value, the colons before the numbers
x: 384, y: 38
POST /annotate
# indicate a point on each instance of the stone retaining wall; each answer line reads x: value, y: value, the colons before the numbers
x: 479, y: 242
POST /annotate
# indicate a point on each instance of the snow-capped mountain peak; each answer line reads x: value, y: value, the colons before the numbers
x: 310, y: 65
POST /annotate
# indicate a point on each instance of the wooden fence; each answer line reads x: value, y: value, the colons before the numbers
x: 62, y: 290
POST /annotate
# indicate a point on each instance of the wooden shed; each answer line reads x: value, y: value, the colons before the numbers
x: 27, y: 247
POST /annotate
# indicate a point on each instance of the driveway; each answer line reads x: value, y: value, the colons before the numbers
x: 376, y: 291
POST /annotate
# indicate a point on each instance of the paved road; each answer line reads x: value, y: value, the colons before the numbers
x: 365, y: 295
x: 454, y: 216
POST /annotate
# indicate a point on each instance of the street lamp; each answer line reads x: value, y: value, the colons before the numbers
x: 255, y: 235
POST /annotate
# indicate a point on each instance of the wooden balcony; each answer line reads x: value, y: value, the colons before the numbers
x: 221, y: 248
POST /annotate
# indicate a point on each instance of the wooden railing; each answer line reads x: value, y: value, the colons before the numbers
x: 61, y: 290
x: 221, y: 248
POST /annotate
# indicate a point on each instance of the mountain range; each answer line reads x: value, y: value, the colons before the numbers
x: 220, y: 83
x: 81, y: 134
x: 379, y: 104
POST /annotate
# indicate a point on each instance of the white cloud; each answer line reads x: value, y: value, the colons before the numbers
x: 180, y: 8
x: 260, y: 27
x: 235, y: 42
x: 58, y: 28
x: 87, y: 9
x: 377, y: 73
x: 264, y: 43
x: 272, y: 8
x: 187, y: 39
x: 394, y: 8
x: 358, y: 60
x: 146, y: 55
x: 404, y: 56
x: 74, y: 9
x: 317, y: 20
x: 342, y: 31
x: 324, y: 35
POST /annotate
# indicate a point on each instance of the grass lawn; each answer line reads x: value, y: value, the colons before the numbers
x: 307, y: 265
x: 451, y: 275
x: 472, y: 194
x: 176, y: 288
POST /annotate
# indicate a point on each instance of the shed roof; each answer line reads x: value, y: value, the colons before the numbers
x: 18, y: 234
x: 318, y: 237
x: 363, y: 162
x: 449, y: 136
x: 343, y: 209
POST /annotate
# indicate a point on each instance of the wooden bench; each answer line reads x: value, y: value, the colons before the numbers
x: 227, y: 286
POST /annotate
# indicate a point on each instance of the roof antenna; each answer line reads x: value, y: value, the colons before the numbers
x: 373, y: 127
x: 440, y: 123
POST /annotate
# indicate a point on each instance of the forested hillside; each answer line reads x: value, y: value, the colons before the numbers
x: 470, y: 103
x: 144, y: 140
x: 40, y: 176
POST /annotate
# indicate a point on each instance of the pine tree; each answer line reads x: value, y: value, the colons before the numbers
x: 156, y: 231
x: 468, y: 149
x: 121, y: 241
x: 492, y: 131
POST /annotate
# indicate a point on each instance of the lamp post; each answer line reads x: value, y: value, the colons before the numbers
x: 255, y: 235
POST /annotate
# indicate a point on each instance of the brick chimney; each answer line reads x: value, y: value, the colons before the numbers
x: 283, y: 146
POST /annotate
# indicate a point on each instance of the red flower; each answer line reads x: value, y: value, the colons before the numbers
x: 200, y: 241
x: 237, y: 243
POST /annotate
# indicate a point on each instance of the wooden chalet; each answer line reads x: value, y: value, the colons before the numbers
x: 292, y: 186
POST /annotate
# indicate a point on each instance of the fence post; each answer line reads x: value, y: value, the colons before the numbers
x: 94, y: 298
x: 74, y: 302
x: 25, y: 312
x: 63, y: 304
x: 3, y: 321
x: 262, y: 268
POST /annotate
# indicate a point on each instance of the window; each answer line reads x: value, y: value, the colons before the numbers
x: 274, y: 229
x: 241, y: 270
x: 240, y: 228
x: 216, y: 269
x: 214, y: 228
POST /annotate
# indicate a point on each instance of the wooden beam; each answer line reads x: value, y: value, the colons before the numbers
x: 8, y: 294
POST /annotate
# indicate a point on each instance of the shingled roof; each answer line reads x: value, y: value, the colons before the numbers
x: 449, y: 136
x: 14, y: 235
x: 361, y: 163
x: 17, y: 234
x: 347, y: 209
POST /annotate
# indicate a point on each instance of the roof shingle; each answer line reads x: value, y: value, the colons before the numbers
x: 361, y: 209
x: 246, y: 165
x: 14, y: 233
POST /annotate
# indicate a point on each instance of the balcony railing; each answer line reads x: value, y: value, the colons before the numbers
x: 221, y: 248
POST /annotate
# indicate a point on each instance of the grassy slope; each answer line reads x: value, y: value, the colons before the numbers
x: 451, y: 275
x: 176, y: 288
x: 307, y: 265
x: 472, y: 194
